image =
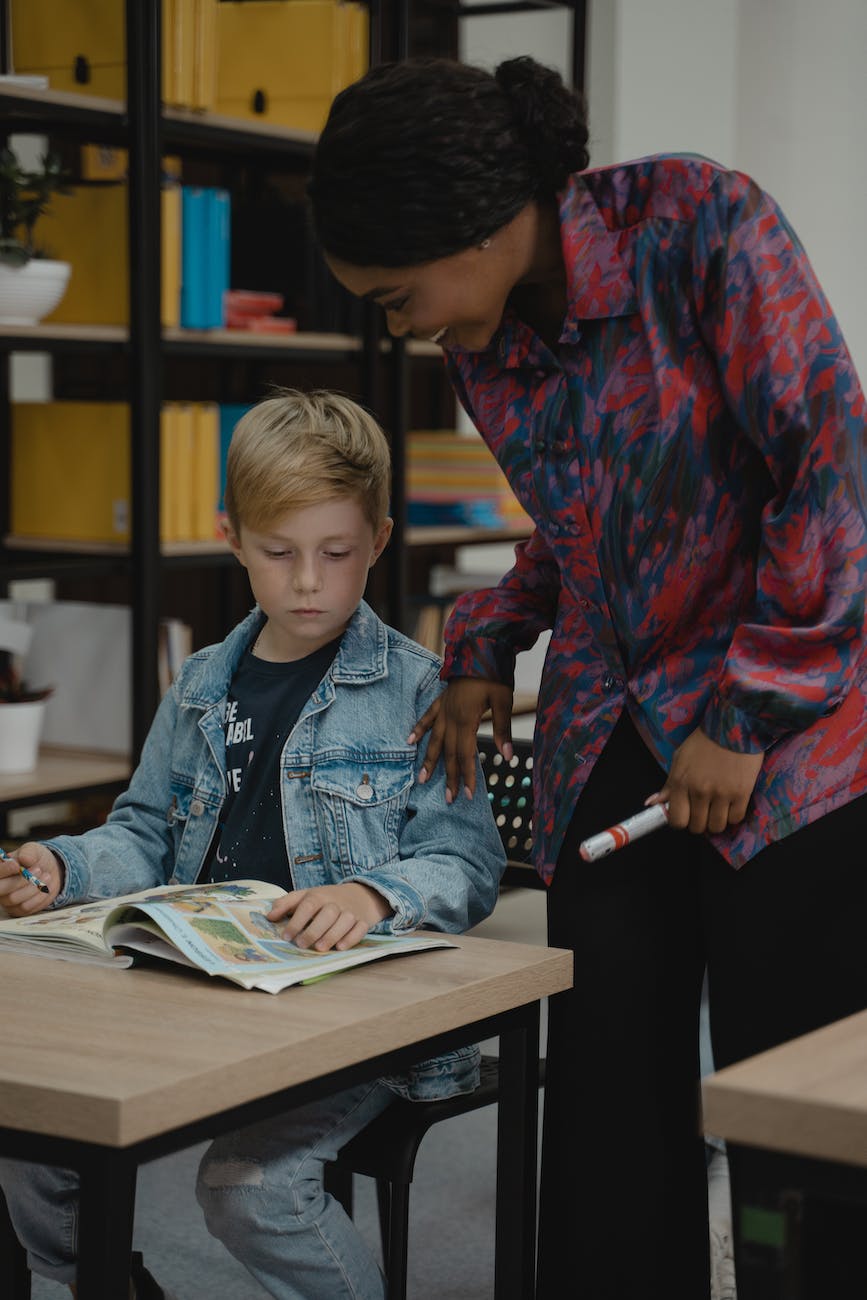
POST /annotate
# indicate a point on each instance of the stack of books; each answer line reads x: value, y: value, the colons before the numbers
x: 452, y: 479
x: 252, y: 309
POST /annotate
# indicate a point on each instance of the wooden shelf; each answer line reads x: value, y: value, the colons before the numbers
x: 26, y: 109
x: 61, y: 772
x: 306, y: 346
x: 63, y: 338
x: 449, y: 535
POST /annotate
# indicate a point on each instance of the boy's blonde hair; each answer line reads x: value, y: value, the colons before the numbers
x: 296, y: 449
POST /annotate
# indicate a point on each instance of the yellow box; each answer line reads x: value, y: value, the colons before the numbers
x: 80, y: 46
x: 53, y: 33
x: 71, y: 470
x: 283, y: 61
x: 88, y: 229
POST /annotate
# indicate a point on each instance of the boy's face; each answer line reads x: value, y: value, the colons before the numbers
x: 308, y: 570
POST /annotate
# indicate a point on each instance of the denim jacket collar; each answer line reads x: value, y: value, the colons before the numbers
x: 362, y: 657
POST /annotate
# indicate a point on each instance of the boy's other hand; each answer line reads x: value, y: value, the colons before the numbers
x: 330, y: 916
x: 17, y: 895
x: 453, y: 722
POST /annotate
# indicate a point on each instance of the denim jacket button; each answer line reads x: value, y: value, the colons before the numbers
x: 196, y: 808
x: 365, y: 790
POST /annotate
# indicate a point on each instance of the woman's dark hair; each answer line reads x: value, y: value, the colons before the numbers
x: 427, y: 157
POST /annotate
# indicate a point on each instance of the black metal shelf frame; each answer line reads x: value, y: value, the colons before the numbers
x: 146, y: 131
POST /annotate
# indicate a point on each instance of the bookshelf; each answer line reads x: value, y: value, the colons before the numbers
x: 384, y: 369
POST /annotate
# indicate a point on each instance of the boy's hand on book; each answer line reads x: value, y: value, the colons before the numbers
x: 329, y: 916
x: 19, y: 896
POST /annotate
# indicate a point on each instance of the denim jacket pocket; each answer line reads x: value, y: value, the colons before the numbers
x: 361, y: 803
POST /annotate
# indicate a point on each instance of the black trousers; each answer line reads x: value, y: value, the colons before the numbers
x: 623, y: 1204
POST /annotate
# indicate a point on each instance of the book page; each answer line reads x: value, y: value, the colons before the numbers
x: 68, y: 931
x: 223, y: 929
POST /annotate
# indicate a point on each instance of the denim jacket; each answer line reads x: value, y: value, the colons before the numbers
x: 436, y: 864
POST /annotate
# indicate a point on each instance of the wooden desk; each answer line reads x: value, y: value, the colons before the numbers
x: 795, y: 1123
x: 103, y: 1070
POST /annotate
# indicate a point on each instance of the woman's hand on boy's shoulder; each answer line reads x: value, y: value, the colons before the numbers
x: 329, y: 916
x: 453, y: 722
x: 19, y: 896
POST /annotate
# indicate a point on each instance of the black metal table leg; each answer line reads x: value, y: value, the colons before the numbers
x: 105, y: 1234
x: 517, y: 1144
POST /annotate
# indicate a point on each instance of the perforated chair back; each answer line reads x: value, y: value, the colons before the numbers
x: 509, y: 786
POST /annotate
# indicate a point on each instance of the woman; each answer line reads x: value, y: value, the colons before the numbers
x: 647, y: 353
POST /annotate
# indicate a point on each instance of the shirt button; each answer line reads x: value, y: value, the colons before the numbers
x: 610, y: 682
x: 196, y: 808
x: 541, y: 376
x: 584, y: 603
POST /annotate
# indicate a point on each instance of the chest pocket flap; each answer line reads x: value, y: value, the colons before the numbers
x: 363, y: 781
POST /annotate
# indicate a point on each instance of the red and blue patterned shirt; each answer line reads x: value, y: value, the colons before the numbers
x: 694, y: 459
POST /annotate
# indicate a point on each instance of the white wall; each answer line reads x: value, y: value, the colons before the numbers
x: 773, y: 87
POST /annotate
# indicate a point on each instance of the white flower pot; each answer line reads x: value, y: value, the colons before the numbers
x: 20, y: 730
x: 30, y: 292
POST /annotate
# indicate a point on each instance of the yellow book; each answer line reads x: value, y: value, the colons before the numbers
x: 168, y: 510
x: 206, y: 470
x: 71, y: 471
x: 183, y: 485
x: 169, y: 88
x: 204, y: 53
x: 178, y: 86
x: 170, y: 208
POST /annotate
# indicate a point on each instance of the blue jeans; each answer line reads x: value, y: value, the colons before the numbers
x: 261, y: 1190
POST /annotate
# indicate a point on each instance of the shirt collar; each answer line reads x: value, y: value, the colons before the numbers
x: 597, y: 264
x: 598, y: 274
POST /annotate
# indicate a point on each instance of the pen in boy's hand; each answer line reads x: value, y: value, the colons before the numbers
x: 28, y: 875
x: 642, y: 823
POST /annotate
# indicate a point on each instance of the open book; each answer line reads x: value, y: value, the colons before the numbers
x: 221, y: 929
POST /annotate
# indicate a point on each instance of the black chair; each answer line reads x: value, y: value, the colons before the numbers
x: 386, y: 1150
x: 14, y: 1274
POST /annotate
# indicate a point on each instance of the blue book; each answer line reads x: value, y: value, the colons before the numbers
x: 194, y: 305
x: 219, y: 228
x: 229, y: 417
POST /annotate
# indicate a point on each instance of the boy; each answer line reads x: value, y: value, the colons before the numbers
x: 280, y: 754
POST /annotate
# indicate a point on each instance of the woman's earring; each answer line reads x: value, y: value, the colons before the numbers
x: 486, y: 243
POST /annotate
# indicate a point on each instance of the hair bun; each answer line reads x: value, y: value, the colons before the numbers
x: 549, y: 116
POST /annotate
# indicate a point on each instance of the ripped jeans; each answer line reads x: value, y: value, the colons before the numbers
x: 261, y: 1190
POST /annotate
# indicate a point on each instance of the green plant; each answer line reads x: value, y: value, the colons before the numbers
x: 14, y: 690
x: 24, y: 197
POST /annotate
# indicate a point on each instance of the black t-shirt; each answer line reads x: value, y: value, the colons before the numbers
x: 264, y: 702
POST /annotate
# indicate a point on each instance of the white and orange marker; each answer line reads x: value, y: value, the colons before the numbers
x: 642, y: 823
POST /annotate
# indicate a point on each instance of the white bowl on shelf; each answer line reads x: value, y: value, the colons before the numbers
x: 30, y: 292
